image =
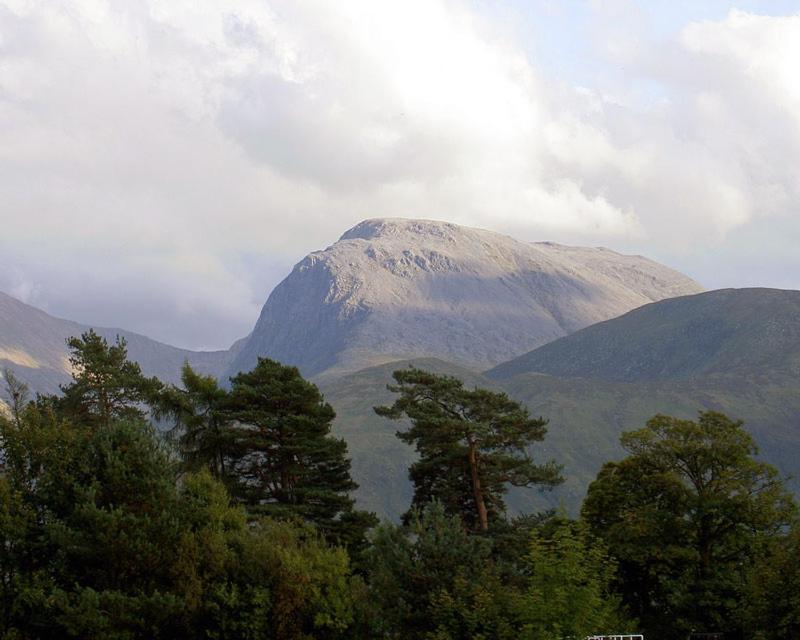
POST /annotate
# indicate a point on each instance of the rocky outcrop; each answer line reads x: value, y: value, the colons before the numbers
x: 393, y: 289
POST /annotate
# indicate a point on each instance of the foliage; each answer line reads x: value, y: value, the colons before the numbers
x: 772, y: 594
x: 99, y: 539
x: 569, y: 592
x: 685, y: 514
x: 284, y: 462
x: 428, y: 578
x: 106, y: 385
x: 201, y: 421
x: 268, y: 440
x: 474, y: 610
x: 89, y: 527
x: 472, y: 444
x: 432, y: 579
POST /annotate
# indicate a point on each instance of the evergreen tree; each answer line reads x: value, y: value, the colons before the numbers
x: 472, y: 444
x: 201, y: 421
x: 685, y: 513
x: 98, y: 541
x: 16, y: 393
x: 106, y: 385
x: 432, y: 579
x: 285, y: 462
x: 87, y: 518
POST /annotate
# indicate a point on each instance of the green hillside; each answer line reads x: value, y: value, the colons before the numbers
x: 586, y: 418
x: 726, y: 332
x: 380, y: 460
x: 711, y: 351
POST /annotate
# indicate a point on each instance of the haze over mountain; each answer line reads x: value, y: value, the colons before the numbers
x: 393, y: 289
x: 33, y: 344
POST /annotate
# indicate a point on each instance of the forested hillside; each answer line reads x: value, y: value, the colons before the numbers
x: 679, y: 356
x: 240, y: 521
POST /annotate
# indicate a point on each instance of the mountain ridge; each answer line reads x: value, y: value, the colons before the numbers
x: 395, y: 288
x: 712, y: 333
x: 33, y: 345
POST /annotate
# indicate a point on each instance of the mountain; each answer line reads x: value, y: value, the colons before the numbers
x: 734, y: 351
x: 395, y: 289
x: 33, y: 345
x: 718, y: 333
x: 587, y: 417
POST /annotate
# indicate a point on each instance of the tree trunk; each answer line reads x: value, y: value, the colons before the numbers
x: 480, y: 505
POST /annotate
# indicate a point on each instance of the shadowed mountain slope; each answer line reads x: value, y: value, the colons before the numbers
x: 718, y: 333
x: 586, y: 418
x: 33, y: 344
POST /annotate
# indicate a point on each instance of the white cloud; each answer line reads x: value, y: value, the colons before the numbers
x: 152, y: 145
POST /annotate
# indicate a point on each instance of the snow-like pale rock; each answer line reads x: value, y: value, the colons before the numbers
x: 394, y: 289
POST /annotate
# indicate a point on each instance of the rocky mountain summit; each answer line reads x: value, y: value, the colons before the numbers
x: 388, y: 290
x: 394, y: 289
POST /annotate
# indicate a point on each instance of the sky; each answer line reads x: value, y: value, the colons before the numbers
x: 165, y: 163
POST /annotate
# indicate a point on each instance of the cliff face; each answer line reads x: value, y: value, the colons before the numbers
x: 394, y: 289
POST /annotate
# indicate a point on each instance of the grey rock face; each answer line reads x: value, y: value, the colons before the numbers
x: 393, y: 289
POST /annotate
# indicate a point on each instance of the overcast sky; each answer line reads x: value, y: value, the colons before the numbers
x: 164, y: 163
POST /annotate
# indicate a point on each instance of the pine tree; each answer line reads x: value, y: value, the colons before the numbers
x: 16, y: 393
x: 472, y: 444
x: 201, y: 421
x: 106, y: 385
x: 285, y: 462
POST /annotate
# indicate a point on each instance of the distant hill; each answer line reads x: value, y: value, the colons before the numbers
x: 586, y: 418
x: 718, y: 333
x: 33, y: 345
x: 394, y: 289
x: 734, y: 351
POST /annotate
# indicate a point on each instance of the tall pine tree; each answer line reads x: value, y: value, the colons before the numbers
x: 201, y: 421
x: 284, y: 460
x: 472, y: 445
x: 105, y: 385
